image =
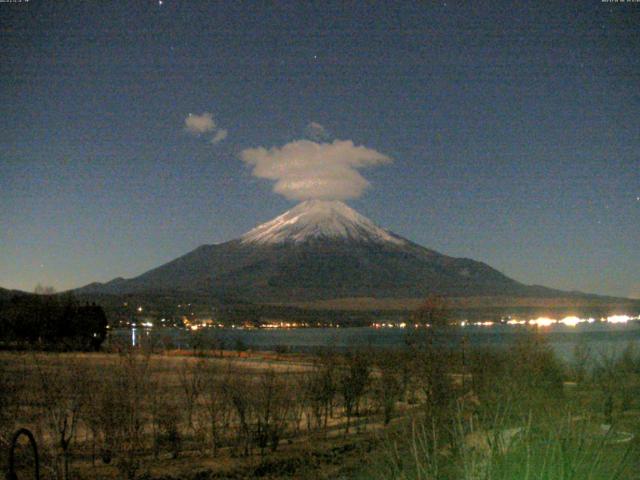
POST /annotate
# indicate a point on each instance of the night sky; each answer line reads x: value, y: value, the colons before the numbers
x: 510, y: 132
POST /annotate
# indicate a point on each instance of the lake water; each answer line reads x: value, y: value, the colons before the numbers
x: 601, y: 338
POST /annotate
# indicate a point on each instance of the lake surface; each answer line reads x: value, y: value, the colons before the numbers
x: 601, y: 338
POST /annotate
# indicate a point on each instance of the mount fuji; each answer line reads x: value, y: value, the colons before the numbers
x: 317, y: 251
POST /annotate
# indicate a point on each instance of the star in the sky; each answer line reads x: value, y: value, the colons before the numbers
x: 160, y: 2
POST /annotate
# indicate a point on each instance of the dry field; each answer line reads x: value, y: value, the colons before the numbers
x: 98, y: 415
x: 420, y: 413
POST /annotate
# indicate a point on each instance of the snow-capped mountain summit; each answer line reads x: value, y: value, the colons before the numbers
x: 319, y: 219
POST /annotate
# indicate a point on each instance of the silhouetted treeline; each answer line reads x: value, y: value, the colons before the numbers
x: 51, y: 322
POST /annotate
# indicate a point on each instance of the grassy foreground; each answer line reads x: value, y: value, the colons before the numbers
x: 420, y: 413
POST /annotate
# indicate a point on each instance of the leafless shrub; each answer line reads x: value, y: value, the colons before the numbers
x: 582, y: 357
x: 236, y: 388
x: 388, y: 384
x: 192, y: 383
x: 60, y: 390
x: 434, y: 379
x: 120, y: 411
x: 216, y: 405
x: 523, y: 374
x: 93, y: 396
x: 319, y: 392
x: 272, y: 405
x: 298, y: 406
x: 433, y: 312
x: 353, y: 379
x: 166, y: 425
x: 13, y: 379
x: 616, y: 377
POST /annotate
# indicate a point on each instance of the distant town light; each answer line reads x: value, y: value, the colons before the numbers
x: 542, y: 322
x: 516, y: 322
x: 571, y: 321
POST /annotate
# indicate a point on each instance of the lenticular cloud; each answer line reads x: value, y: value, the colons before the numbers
x: 306, y: 170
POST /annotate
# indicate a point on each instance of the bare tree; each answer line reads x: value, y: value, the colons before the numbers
x: 61, y: 391
x: 121, y: 411
x: 236, y: 388
x: 192, y: 381
x: 299, y: 404
x: 353, y: 381
x: 271, y: 405
x: 216, y: 405
x: 388, y: 384
x: 44, y: 290
x: 432, y: 374
x: 319, y: 392
x: 93, y: 396
x: 12, y: 387
x: 165, y: 413
x: 434, y: 311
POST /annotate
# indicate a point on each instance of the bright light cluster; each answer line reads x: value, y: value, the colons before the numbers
x: 542, y: 322
x: 516, y: 322
x: 569, y: 321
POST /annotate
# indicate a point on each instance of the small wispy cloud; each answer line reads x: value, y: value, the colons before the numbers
x: 317, y: 132
x: 305, y: 169
x: 199, y: 124
x: 204, y: 123
x: 219, y: 136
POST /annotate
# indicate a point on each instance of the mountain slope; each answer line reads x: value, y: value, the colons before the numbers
x: 318, y: 250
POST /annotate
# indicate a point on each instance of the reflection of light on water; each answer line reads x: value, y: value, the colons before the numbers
x: 133, y: 337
